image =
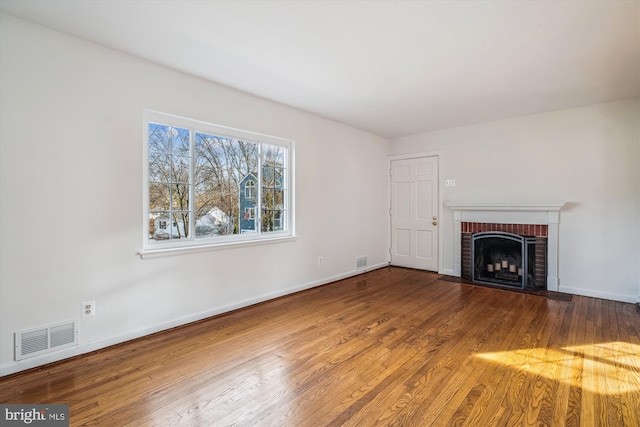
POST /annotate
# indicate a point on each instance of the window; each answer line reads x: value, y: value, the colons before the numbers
x: 213, y: 184
x: 250, y: 190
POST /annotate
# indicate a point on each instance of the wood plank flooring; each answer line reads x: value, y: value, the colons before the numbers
x: 393, y: 347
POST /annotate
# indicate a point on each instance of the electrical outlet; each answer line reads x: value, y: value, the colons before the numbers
x: 88, y: 309
x: 320, y: 260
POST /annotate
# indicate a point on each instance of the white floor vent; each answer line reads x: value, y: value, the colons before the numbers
x: 34, y: 342
x: 361, y: 263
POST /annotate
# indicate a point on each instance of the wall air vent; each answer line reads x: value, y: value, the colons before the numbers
x: 361, y: 263
x: 34, y: 342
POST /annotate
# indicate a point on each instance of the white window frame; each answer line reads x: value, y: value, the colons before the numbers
x: 152, y: 249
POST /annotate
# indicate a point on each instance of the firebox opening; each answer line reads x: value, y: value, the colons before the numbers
x: 498, y: 259
x: 505, y: 259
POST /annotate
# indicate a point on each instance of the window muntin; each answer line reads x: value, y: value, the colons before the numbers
x: 201, y: 184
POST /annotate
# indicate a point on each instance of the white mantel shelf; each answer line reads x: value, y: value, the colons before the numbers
x: 506, y: 206
x: 543, y: 213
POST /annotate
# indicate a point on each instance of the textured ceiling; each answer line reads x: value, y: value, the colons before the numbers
x: 393, y: 68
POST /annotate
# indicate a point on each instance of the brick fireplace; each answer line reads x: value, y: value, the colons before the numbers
x: 536, y: 222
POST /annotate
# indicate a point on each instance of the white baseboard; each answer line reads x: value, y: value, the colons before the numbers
x: 575, y: 291
x: 599, y: 294
x: 448, y: 272
x: 83, y: 348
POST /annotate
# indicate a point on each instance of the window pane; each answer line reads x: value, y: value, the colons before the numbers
x: 273, y: 188
x: 180, y: 197
x: 272, y: 209
x: 273, y: 155
x: 159, y: 197
x: 180, y: 169
x: 169, y: 169
x: 180, y: 144
x: 159, y: 140
x: 168, y: 225
x: 268, y: 198
x: 272, y: 220
x: 214, y: 223
x: 180, y: 225
x: 278, y: 175
x: 159, y: 168
x: 277, y: 222
x: 278, y: 199
x: 223, y: 168
x: 159, y: 226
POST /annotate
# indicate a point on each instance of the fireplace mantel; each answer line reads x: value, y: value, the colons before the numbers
x: 545, y: 213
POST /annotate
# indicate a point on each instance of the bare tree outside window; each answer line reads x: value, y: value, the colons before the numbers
x: 220, y: 165
x: 169, y: 164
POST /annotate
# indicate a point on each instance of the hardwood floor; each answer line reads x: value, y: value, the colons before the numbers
x: 391, y: 347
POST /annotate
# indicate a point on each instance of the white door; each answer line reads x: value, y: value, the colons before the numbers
x: 414, y: 213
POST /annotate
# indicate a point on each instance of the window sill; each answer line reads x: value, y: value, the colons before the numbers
x: 184, y: 250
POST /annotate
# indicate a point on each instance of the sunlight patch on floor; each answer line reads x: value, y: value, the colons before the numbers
x: 605, y: 368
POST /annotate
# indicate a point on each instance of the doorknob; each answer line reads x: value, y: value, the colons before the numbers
x: 435, y: 223
x: 435, y: 217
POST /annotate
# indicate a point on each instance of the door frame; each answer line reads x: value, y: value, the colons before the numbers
x: 438, y: 154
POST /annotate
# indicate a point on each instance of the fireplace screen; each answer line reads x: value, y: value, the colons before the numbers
x: 509, y: 260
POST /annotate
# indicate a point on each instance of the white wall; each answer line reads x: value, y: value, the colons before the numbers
x: 71, y: 189
x: 586, y: 156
